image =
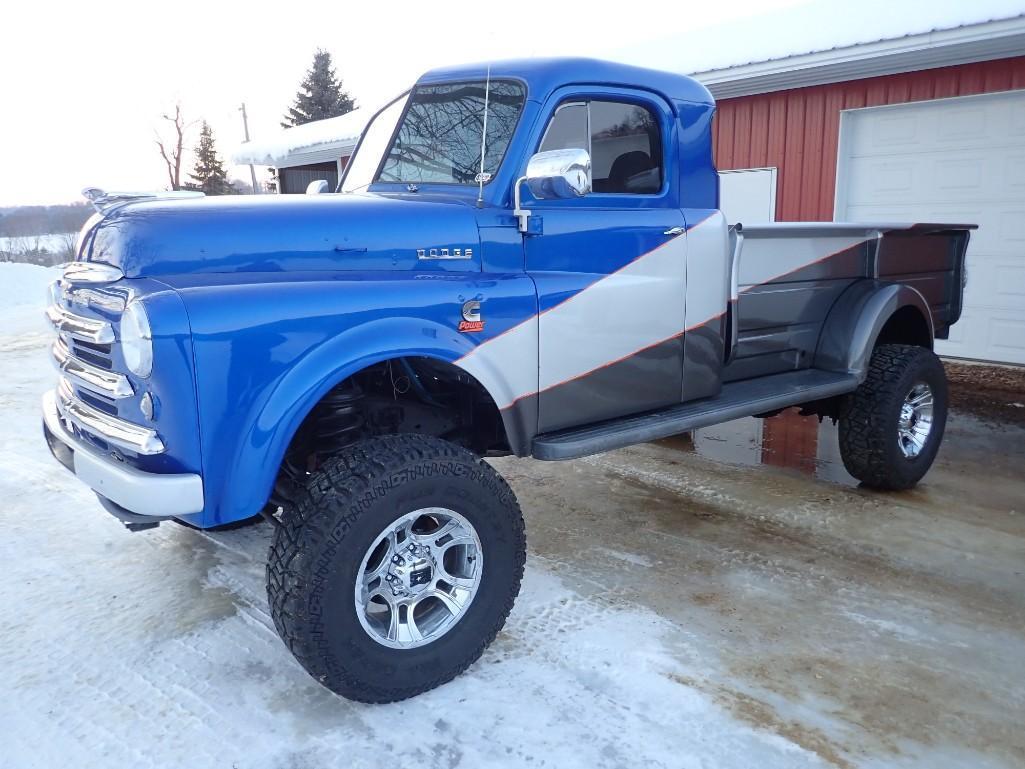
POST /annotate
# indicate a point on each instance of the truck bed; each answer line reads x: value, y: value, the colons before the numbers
x: 787, y: 277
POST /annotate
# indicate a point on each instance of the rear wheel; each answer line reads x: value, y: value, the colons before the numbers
x: 397, y: 567
x: 892, y: 425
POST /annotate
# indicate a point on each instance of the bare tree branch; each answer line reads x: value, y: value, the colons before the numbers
x: 172, y: 156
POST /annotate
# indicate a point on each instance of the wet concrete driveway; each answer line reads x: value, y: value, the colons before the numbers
x: 869, y: 628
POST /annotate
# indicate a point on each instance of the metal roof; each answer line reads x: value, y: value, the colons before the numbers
x: 961, y: 44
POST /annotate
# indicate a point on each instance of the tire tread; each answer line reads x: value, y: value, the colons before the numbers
x: 326, y: 506
x: 867, y: 443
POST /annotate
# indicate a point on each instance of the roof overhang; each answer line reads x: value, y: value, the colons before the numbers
x: 940, y: 48
x: 321, y: 141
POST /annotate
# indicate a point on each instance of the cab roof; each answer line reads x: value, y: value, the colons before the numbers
x: 543, y: 76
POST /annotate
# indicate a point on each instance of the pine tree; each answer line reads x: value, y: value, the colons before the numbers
x: 208, y: 174
x: 320, y: 95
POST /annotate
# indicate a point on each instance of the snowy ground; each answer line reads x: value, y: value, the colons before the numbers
x: 677, y: 612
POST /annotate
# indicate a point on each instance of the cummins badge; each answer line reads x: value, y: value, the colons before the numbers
x: 471, y: 317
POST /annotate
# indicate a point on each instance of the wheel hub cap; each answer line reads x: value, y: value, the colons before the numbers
x: 915, y: 421
x: 418, y: 578
x: 411, y: 570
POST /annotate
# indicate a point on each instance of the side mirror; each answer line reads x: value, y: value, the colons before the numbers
x: 317, y: 187
x: 552, y: 175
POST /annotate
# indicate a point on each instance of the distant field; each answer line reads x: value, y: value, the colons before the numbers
x: 52, y: 248
x: 53, y: 243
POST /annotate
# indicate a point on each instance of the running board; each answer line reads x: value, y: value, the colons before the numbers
x: 739, y: 399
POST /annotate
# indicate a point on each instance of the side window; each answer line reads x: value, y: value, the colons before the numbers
x: 568, y: 129
x: 623, y: 139
x: 626, y: 149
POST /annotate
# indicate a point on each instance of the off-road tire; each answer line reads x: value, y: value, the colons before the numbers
x: 317, y: 551
x: 869, y: 417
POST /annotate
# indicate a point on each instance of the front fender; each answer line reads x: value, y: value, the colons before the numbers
x: 266, y: 353
x: 852, y: 327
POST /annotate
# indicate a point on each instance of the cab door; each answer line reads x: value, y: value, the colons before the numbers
x: 610, y: 267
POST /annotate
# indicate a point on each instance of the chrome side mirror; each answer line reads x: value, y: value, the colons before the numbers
x: 552, y: 175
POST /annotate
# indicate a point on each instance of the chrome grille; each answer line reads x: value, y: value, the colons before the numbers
x: 93, y: 391
x: 99, y: 379
x: 95, y: 354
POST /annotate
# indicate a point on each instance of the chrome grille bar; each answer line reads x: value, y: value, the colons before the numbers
x: 117, y: 432
x: 87, y: 329
x: 108, y: 383
x: 92, y: 272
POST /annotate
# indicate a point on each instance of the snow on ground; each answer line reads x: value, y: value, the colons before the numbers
x: 156, y: 649
x: 676, y: 612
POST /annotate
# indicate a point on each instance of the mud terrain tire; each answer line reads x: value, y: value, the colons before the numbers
x: 316, y: 555
x: 871, y: 416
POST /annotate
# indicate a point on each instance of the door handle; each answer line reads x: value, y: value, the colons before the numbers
x: 675, y: 231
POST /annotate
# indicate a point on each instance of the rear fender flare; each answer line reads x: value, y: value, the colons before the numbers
x: 852, y: 327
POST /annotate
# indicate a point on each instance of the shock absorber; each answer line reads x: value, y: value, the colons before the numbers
x: 336, y: 422
x: 338, y: 419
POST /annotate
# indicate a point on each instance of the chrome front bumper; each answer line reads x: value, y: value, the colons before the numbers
x: 149, y: 495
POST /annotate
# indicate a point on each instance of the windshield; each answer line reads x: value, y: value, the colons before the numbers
x: 359, y: 173
x: 439, y: 139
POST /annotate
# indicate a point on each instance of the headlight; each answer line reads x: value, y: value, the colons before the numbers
x: 136, y: 339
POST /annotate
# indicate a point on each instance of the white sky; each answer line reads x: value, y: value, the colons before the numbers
x: 83, y: 84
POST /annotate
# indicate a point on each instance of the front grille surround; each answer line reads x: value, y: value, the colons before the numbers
x: 97, y: 395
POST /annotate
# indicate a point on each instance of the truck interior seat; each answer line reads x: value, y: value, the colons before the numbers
x: 624, y: 168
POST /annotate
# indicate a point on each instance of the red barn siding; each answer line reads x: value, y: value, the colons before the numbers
x: 797, y: 130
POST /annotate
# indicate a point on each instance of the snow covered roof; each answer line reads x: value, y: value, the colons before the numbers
x: 826, y: 41
x: 316, y: 142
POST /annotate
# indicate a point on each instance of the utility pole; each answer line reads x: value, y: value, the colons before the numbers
x: 245, y: 130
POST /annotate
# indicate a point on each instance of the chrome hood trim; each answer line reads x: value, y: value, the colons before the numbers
x: 104, y: 201
x: 92, y: 272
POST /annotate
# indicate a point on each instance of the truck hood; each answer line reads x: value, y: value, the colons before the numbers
x: 280, y: 233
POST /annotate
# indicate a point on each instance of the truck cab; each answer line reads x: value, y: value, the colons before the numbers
x: 522, y: 258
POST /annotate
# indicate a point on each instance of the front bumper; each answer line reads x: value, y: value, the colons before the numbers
x: 143, y: 496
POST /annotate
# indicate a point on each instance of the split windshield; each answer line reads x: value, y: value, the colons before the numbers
x: 439, y: 139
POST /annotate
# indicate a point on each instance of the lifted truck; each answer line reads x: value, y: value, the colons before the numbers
x: 555, y: 284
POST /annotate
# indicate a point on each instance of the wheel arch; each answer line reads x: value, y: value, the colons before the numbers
x: 272, y: 424
x: 871, y: 313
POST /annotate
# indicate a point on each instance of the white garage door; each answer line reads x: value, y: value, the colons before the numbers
x: 951, y: 160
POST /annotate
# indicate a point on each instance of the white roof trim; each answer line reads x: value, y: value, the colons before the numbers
x: 939, y: 48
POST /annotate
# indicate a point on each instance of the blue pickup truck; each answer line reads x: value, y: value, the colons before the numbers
x: 524, y: 258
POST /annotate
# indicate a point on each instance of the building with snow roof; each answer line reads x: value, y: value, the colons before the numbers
x: 306, y: 153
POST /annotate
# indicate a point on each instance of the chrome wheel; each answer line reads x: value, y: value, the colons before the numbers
x: 916, y: 418
x: 418, y: 578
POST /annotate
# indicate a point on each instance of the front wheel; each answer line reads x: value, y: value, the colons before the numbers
x: 892, y: 425
x: 397, y: 567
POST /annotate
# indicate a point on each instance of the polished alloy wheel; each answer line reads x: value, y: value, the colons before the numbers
x: 418, y: 578
x: 915, y: 422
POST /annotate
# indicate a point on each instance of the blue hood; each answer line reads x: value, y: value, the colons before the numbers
x: 279, y: 233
